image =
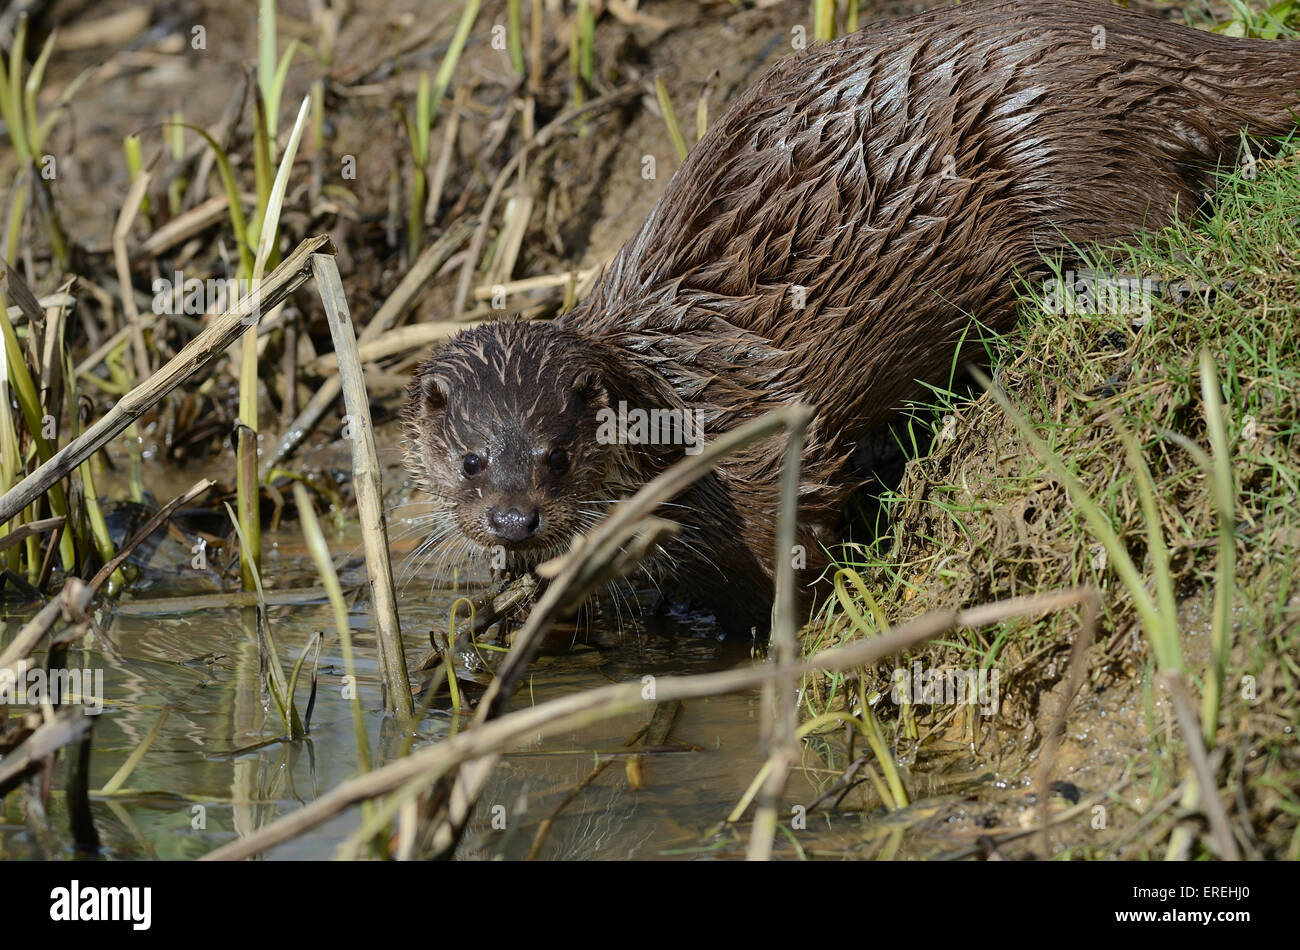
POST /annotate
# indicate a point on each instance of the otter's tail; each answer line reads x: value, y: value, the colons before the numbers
x: 1222, y: 87
x: 1250, y: 86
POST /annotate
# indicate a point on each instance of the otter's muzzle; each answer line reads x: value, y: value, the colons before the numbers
x: 513, y: 525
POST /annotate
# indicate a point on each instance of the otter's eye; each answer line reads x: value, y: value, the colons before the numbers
x: 471, y: 464
x: 558, y: 460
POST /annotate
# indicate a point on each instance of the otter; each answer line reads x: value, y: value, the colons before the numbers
x: 828, y: 242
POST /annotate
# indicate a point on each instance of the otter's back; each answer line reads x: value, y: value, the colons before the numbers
x: 874, y: 193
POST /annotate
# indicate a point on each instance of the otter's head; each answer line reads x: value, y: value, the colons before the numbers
x: 502, y: 432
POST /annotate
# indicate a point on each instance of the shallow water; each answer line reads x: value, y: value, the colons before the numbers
x: 200, y: 784
x: 216, y: 769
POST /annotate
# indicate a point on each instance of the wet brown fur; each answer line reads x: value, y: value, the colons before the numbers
x: 829, y: 174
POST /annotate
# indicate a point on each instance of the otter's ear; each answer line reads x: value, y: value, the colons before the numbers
x: 434, y: 393
x: 590, y: 387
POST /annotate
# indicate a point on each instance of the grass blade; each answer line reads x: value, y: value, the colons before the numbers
x: 320, y: 554
x: 1225, y: 501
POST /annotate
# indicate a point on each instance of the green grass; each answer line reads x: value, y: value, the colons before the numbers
x: 1123, y: 474
x: 428, y: 99
x: 28, y: 133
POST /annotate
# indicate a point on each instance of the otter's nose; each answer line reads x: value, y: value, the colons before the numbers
x: 514, y: 525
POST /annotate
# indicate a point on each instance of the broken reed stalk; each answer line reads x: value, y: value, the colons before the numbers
x: 60, y: 299
x: 399, y: 302
x: 211, y: 343
x: 22, y: 532
x: 580, y: 709
x: 400, y: 340
x: 780, y: 711
x: 150, y: 526
x: 67, y: 727
x: 73, y: 600
x: 181, y: 228
x: 369, y: 490
x: 157, y: 606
